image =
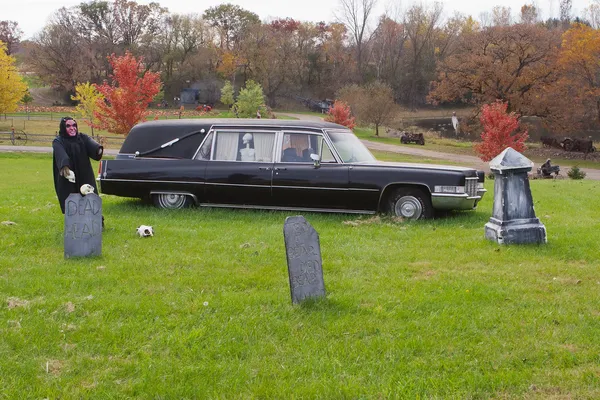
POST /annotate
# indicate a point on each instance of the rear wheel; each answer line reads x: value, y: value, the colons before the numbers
x: 410, y: 203
x: 171, y: 201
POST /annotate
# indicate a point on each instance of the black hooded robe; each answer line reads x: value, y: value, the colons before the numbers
x: 73, y: 152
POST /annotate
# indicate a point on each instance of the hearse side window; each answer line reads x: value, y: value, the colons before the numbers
x: 204, y: 152
x: 244, y: 146
x: 297, y: 147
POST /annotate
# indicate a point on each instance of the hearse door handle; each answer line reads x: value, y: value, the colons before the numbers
x: 280, y: 169
x: 264, y: 168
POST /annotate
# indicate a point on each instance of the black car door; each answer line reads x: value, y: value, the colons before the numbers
x: 297, y: 182
x: 240, y: 168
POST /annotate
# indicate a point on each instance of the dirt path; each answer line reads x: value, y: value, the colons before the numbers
x: 305, y: 117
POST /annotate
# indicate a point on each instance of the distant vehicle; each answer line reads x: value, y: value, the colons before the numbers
x: 569, y: 144
x: 578, y: 144
x: 408, y: 137
x: 278, y: 164
x: 321, y: 106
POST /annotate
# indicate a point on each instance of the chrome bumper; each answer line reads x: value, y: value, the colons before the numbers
x: 462, y: 201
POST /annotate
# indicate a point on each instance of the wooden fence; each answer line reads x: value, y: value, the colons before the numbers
x: 21, y: 138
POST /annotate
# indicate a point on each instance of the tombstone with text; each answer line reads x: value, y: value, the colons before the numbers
x: 303, y: 253
x: 83, y: 225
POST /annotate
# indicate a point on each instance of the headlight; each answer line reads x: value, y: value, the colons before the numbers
x: 480, y: 185
x: 449, y: 189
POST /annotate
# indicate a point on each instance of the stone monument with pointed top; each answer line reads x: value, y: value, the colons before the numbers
x: 513, y: 218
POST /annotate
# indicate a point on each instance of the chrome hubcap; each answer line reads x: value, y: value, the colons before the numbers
x: 170, y: 200
x: 408, y: 207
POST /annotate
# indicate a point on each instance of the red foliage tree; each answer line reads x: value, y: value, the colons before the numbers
x: 127, y: 97
x: 499, y: 131
x: 287, y: 25
x: 340, y: 114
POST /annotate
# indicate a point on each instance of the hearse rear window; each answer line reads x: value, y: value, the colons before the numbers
x: 244, y: 146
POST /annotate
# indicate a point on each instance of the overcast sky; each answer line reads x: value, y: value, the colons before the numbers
x: 32, y: 15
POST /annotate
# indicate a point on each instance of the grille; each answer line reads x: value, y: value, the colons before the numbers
x: 471, y: 186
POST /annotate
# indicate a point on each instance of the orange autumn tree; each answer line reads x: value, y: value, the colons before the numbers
x: 499, y: 131
x: 340, y: 114
x: 229, y: 63
x: 127, y: 98
x: 513, y: 63
x: 579, y: 62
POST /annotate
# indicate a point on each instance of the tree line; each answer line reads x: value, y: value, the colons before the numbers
x: 540, y: 68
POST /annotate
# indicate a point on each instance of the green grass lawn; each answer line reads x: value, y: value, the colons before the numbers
x: 399, y: 157
x: 202, y: 309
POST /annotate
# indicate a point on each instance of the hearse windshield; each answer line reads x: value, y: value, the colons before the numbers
x: 349, y: 147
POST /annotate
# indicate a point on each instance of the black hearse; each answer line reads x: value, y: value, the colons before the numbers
x: 278, y: 164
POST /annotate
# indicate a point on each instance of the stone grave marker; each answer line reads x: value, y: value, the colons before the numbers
x: 83, y: 225
x: 303, y: 251
x: 513, y: 219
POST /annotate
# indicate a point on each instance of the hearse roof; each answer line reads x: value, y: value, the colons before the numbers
x: 253, y: 122
x: 150, y: 136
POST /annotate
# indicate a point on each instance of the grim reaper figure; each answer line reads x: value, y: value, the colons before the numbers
x: 72, y: 168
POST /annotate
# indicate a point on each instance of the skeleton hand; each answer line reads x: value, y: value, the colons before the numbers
x: 71, y: 176
x: 68, y: 174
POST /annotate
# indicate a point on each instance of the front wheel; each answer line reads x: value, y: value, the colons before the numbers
x: 410, y: 203
x: 171, y: 201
